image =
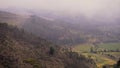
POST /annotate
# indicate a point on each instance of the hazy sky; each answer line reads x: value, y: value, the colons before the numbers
x: 108, y: 8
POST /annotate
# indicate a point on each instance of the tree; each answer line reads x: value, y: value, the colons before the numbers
x: 104, y: 67
x: 118, y: 63
x: 117, y: 50
x: 52, y: 51
x: 91, y: 50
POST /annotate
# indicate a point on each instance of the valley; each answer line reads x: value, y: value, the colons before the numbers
x: 35, y: 41
x: 102, y: 54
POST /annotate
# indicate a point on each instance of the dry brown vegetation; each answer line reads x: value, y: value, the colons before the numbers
x: 19, y: 49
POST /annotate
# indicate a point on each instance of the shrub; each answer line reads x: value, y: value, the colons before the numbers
x: 30, y: 61
x: 33, y: 62
x: 118, y: 63
x: 52, y: 51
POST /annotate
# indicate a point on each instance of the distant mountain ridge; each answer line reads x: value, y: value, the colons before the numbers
x: 12, y: 18
x: 65, y: 32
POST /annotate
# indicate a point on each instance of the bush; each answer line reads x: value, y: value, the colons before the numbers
x: 33, y: 62
x: 118, y: 64
x: 37, y: 66
x: 30, y: 61
x: 52, y: 51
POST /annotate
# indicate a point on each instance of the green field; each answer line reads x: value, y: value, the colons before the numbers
x: 101, y: 58
x: 83, y: 47
x: 110, y: 46
x: 103, y: 46
x: 113, y: 53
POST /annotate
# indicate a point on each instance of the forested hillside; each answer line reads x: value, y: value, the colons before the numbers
x: 19, y: 49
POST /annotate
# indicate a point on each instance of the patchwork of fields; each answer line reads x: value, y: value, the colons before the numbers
x: 104, y: 54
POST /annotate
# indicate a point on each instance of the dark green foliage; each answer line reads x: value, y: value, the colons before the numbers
x: 104, y: 66
x: 52, y: 51
x: 118, y: 63
x: 107, y: 66
x: 91, y: 49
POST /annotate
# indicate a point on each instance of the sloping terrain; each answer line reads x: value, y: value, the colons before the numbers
x: 59, y: 32
x: 19, y: 49
x: 71, y: 32
x: 12, y: 18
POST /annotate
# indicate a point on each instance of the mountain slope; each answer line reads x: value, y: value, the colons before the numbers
x: 62, y: 32
x: 12, y: 18
x: 74, y: 31
x: 58, y: 32
x: 19, y: 49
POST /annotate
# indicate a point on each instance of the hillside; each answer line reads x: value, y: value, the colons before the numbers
x: 12, y: 18
x: 55, y: 31
x: 62, y: 32
x: 59, y: 32
x: 19, y: 49
x: 74, y: 31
